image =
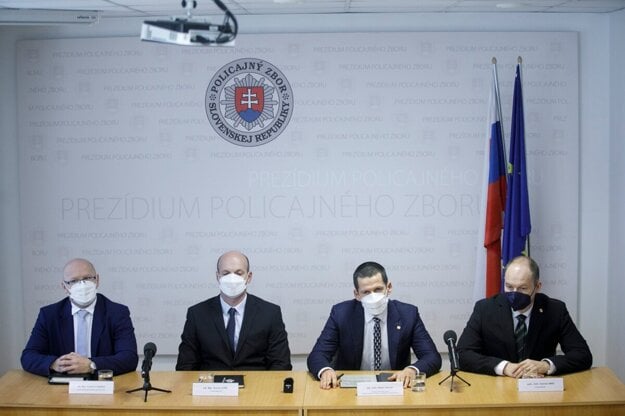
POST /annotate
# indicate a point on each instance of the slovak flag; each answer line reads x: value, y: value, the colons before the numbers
x: 488, y: 263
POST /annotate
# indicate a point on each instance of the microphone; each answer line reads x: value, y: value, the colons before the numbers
x: 450, y: 339
x: 149, y: 351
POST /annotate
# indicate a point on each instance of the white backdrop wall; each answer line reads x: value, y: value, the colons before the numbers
x: 381, y: 161
x: 592, y: 29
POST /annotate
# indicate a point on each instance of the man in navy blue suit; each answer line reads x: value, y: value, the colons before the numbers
x: 55, y: 344
x: 372, y: 332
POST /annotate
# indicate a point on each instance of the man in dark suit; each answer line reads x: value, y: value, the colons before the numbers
x: 55, y: 342
x: 515, y: 333
x: 235, y: 330
x: 372, y: 332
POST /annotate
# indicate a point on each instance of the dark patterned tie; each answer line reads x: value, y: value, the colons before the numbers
x: 230, y: 329
x: 377, y: 345
x: 519, y: 336
x: 82, y: 337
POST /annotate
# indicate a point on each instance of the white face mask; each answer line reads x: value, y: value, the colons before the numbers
x: 232, y: 285
x: 375, y: 303
x: 83, y: 293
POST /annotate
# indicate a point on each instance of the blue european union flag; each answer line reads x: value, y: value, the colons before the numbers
x: 517, y: 224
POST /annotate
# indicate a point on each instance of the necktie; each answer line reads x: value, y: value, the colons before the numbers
x: 82, y: 336
x: 377, y: 344
x: 519, y: 336
x: 230, y: 329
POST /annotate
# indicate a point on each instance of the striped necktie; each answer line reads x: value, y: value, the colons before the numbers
x: 520, y: 333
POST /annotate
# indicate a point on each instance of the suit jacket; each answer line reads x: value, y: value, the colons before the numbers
x: 341, y: 342
x: 113, y: 342
x: 488, y: 337
x: 262, y: 345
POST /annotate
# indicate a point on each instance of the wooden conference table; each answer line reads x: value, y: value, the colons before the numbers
x: 26, y: 394
x: 593, y: 392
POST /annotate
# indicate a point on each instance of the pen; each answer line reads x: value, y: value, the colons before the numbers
x: 338, y: 379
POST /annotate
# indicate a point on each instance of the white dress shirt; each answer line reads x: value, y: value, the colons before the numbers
x: 367, y: 345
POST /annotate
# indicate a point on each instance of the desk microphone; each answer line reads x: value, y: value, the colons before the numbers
x: 149, y: 351
x: 450, y: 339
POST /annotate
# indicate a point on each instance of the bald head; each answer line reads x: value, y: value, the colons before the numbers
x: 78, y: 267
x: 524, y: 265
x: 232, y: 259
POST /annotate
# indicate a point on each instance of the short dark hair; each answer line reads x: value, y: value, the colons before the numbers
x: 368, y: 269
x: 529, y: 262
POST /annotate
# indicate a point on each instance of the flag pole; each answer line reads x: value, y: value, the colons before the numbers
x: 496, y: 76
x: 519, y: 61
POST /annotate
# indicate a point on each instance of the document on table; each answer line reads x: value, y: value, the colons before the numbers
x: 350, y: 381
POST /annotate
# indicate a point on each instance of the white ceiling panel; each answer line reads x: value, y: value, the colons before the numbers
x: 164, y: 8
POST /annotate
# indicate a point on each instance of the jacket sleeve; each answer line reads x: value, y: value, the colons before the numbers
x: 576, y: 353
x: 189, y: 355
x: 278, y: 352
x: 326, y: 346
x: 123, y: 357
x: 36, y: 356
x: 428, y: 358
x: 471, y: 346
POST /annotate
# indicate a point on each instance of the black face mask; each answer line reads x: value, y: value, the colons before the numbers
x: 518, y: 300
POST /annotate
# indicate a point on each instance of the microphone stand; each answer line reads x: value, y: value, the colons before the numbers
x: 147, y: 386
x: 452, y: 374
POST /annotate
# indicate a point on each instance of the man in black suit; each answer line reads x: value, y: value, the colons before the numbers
x: 515, y: 333
x: 235, y: 330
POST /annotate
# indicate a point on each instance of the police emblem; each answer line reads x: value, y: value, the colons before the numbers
x: 249, y: 102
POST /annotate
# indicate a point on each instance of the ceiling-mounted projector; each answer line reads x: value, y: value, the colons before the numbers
x: 192, y: 32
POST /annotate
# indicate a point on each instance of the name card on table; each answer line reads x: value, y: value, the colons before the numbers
x: 91, y: 387
x: 541, y: 384
x: 382, y: 388
x: 215, y: 389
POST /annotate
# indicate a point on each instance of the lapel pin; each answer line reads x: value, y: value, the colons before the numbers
x: 398, y: 327
x: 540, y: 310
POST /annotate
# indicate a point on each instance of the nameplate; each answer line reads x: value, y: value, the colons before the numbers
x: 382, y: 388
x: 541, y: 384
x: 91, y: 387
x: 215, y: 389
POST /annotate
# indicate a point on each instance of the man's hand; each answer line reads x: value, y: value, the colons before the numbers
x: 526, y: 368
x: 72, y: 363
x: 405, y: 376
x: 328, y: 379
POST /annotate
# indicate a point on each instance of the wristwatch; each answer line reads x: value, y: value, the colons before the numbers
x: 93, y: 366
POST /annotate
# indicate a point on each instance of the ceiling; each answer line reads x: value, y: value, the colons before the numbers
x: 160, y: 8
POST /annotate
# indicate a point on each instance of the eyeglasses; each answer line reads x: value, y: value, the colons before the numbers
x: 71, y: 283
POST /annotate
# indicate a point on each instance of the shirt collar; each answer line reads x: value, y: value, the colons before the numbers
x: 382, y: 316
x: 90, y: 308
x: 240, y: 307
x: 527, y: 313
